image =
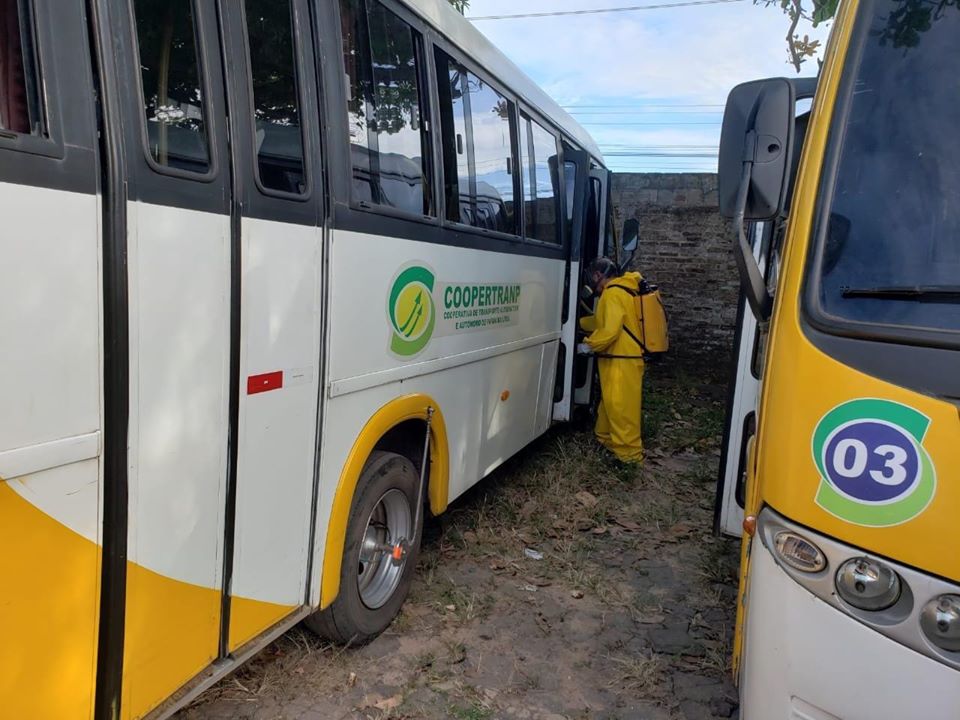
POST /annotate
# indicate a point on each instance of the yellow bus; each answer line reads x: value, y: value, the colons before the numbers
x: 846, y: 460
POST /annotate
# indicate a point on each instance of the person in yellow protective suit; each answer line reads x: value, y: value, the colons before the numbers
x: 619, y: 358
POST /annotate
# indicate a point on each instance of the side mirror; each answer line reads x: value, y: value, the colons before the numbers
x: 756, y: 147
x: 758, y: 126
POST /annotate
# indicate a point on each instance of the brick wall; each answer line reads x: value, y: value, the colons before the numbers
x: 687, y: 249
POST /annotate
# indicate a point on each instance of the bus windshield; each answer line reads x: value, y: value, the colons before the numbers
x: 892, y: 244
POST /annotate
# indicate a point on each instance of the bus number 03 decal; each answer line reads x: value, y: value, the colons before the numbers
x: 858, y: 455
x: 874, y: 469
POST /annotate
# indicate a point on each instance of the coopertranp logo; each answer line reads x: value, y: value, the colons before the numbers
x: 411, y: 310
x: 874, y: 470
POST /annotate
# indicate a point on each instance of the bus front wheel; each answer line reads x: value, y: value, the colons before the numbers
x: 379, y: 555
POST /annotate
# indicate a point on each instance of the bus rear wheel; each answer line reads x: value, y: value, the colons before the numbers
x: 373, y: 583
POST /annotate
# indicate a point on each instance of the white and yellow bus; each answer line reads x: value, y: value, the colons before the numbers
x: 843, y: 460
x: 276, y: 275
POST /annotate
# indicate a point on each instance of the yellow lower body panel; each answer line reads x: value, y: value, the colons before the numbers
x: 249, y: 618
x: 48, y: 614
x: 49, y: 603
x: 172, y: 633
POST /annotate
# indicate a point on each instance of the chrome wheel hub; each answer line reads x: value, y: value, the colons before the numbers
x: 383, y: 549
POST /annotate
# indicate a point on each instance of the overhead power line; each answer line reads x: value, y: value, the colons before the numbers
x: 658, y: 124
x: 638, y: 105
x: 659, y: 155
x: 580, y: 113
x: 597, y: 11
x: 656, y: 146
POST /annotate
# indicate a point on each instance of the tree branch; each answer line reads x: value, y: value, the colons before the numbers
x: 795, y: 14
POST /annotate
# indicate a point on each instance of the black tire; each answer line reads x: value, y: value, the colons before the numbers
x: 348, y: 620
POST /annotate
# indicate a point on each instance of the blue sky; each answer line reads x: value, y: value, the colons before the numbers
x: 649, y: 85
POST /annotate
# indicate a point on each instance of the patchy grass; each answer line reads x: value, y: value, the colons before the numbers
x: 490, y: 631
x: 473, y: 712
x: 644, y: 675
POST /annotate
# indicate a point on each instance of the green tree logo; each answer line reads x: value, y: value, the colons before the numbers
x: 411, y: 311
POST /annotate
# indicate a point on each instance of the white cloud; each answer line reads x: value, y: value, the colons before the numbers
x: 680, y: 56
x: 695, y: 53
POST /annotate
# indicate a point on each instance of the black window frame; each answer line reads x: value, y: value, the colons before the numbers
x: 812, y: 310
x: 50, y: 143
x: 472, y: 68
x: 346, y: 216
x: 926, y: 367
x: 423, y: 58
x: 301, y: 74
x: 31, y: 66
x: 200, y: 34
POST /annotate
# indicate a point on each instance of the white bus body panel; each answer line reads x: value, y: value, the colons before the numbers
x: 362, y: 270
x: 179, y: 376
x: 51, y: 440
x: 50, y: 446
x: 465, y: 373
x: 280, y: 332
x: 786, y: 674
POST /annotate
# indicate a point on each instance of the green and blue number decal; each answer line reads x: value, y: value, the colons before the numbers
x: 874, y: 470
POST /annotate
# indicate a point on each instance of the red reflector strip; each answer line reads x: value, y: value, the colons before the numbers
x: 264, y: 383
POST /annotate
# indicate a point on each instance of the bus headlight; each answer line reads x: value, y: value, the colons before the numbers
x: 868, y: 584
x: 940, y: 620
x: 799, y: 553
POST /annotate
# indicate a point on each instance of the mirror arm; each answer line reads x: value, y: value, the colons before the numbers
x: 751, y: 279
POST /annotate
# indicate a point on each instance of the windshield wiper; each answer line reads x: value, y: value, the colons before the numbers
x: 917, y: 293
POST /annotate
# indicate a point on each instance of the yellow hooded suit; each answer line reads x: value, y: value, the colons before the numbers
x: 621, y: 377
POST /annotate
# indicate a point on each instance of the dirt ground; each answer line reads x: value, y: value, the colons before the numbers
x: 565, y: 586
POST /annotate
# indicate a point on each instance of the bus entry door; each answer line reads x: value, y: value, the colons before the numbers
x: 279, y: 250
x: 576, y: 174
x: 598, y: 241
x: 742, y: 406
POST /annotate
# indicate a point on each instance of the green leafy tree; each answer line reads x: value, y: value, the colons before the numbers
x: 460, y: 5
x: 904, y: 25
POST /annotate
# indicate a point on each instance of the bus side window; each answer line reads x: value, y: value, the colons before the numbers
x: 20, y: 107
x: 451, y: 78
x: 173, y: 93
x: 389, y: 144
x: 540, y: 187
x: 276, y: 103
x: 528, y: 179
x: 476, y: 131
x: 491, y: 117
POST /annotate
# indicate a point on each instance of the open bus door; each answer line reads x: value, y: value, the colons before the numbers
x: 599, y: 240
x: 576, y: 183
x: 766, y: 240
x: 743, y: 396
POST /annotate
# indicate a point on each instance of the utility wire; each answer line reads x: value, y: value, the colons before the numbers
x: 658, y: 148
x: 632, y: 8
x: 658, y: 124
x: 579, y: 113
x: 639, y: 105
x: 664, y: 155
